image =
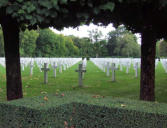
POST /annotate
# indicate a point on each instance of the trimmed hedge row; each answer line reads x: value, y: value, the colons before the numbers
x: 74, y: 110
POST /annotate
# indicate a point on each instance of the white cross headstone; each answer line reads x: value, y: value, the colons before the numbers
x: 45, y: 69
x: 54, y: 69
x: 113, y: 68
x: 136, y: 69
x: 31, y: 68
x: 80, y: 73
x: 108, y: 69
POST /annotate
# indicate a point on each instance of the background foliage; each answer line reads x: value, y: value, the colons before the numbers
x: 46, y: 43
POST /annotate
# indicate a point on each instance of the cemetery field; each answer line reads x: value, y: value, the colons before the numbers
x: 95, y: 82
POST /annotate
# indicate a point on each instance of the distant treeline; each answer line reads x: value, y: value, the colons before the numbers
x: 46, y: 43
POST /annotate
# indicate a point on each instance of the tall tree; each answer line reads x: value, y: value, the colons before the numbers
x: 112, y: 45
x: 72, y: 50
x: 18, y: 14
x: 129, y: 46
x: 140, y: 16
x: 95, y: 36
x: 122, y: 42
x: 28, y: 42
x: 45, y: 43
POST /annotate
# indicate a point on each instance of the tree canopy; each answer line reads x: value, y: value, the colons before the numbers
x: 137, y: 15
x: 45, y: 13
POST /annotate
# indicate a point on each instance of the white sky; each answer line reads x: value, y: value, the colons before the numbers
x: 82, y: 31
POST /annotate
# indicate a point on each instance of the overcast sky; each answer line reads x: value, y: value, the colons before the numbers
x: 82, y: 31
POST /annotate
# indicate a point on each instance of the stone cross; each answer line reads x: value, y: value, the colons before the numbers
x: 113, y: 68
x: 80, y: 73
x: 108, y: 69
x: 136, y: 69
x: 54, y: 69
x: 31, y: 68
x: 45, y: 69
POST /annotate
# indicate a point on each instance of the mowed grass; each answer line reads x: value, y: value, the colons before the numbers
x: 95, y: 82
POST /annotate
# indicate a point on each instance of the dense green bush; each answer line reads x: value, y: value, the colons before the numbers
x: 75, y: 110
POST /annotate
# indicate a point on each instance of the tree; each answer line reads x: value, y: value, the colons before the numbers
x: 139, y: 16
x: 18, y: 14
x: 72, y: 50
x: 122, y: 42
x: 129, y: 46
x: 95, y: 36
x: 28, y: 43
x: 113, y: 44
x: 45, y: 43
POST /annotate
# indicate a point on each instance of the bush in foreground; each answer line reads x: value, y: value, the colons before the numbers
x: 74, y: 110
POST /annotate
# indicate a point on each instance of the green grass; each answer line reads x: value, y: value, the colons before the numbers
x: 95, y: 82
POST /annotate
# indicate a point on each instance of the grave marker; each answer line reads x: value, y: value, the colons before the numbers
x: 31, y: 68
x: 136, y: 69
x: 113, y: 68
x: 80, y: 73
x: 108, y: 69
x: 54, y: 69
x: 45, y: 69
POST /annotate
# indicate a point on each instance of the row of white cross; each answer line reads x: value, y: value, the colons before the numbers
x: 64, y: 62
x: 61, y: 63
x: 43, y: 64
x: 107, y: 64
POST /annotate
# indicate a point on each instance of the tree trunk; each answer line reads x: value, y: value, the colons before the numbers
x: 147, y: 81
x: 11, y: 44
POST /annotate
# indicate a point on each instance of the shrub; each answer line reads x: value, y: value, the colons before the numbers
x: 74, y: 110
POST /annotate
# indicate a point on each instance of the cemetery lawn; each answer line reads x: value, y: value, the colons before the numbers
x: 95, y: 82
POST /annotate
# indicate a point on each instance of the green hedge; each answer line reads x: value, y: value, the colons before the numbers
x: 74, y: 110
